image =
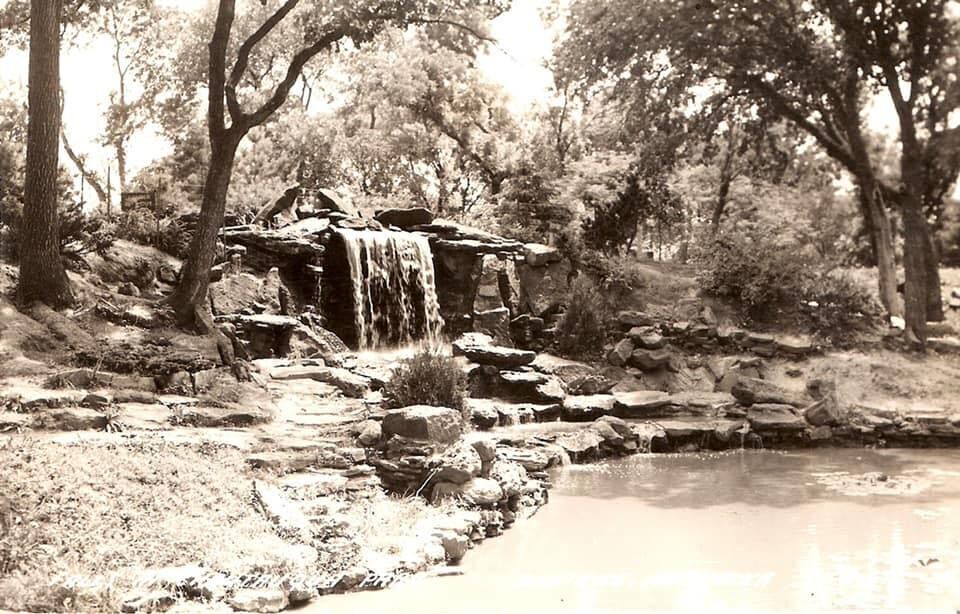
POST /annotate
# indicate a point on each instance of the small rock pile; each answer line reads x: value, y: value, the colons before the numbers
x: 646, y: 344
x: 420, y: 450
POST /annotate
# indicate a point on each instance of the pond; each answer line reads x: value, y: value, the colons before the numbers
x: 761, y: 531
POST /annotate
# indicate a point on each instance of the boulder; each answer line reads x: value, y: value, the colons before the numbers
x: 944, y: 345
x: 437, y: 424
x: 609, y: 434
x: 458, y: 464
x: 404, y: 218
x: 522, y: 379
x: 567, y: 370
x: 582, y: 445
x: 70, y: 419
x: 486, y: 353
x: 750, y: 390
x: 650, y: 360
x: 370, y: 433
x: 775, y: 417
x: 510, y: 475
x: 549, y: 392
x: 701, y: 402
x: 496, y: 323
x: 824, y: 412
x: 482, y: 492
x: 590, y: 384
x: 640, y: 404
x: 620, y: 353
x: 351, y: 384
x: 536, y: 254
x: 486, y: 447
x: 243, y: 293
x: 543, y: 288
x: 587, y: 408
x: 259, y: 600
x: 223, y: 415
x: 483, y: 415
x: 649, y: 341
x: 621, y: 426
x: 129, y: 288
x: 795, y: 346
x: 634, y: 318
x: 629, y: 383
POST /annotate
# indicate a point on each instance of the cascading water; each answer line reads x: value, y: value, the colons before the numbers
x: 394, y: 289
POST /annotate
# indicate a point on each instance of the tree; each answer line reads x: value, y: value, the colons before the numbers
x: 811, y: 64
x: 325, y: 28
x: 42, y: 275
x: 437, y: 132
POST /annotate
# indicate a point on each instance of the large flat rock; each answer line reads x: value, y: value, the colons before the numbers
x: 640, y: 404
x: 775, y: 417
x: 751, y: 390
x: 587, y: 408
x: 439, y: 424
x: 567, y: 370
x: 499, y: 356
x: 686, y: 428
x: 351, y: 384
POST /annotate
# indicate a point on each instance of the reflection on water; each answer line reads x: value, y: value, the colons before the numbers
x: 761, y: 531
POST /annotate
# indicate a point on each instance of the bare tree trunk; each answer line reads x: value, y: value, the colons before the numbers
x: 934, y: 294
x: 881, y: 237
x: 42, y: 276
x: 916, y: 234
x: 190, y: 298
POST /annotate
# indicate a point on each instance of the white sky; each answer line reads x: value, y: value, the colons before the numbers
x: 518, y: 64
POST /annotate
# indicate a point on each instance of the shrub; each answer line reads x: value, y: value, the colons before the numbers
x: 581, y: 331
x: 429, y: 378
x: 766, y: 278
x: 80, y: 234
x: 837, y: 306
x: 762, y: 276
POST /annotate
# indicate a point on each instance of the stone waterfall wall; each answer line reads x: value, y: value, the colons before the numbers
x: 511, y: 291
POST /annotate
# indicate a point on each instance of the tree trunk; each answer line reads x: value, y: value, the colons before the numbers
x: 915, y: 268
x: 934, y: 294
x: 882, y: 238
x: 916, y: 236
x: 190, y: 298
x: 42, y: 276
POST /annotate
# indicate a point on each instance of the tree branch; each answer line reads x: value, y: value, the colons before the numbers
x: 243, y: 55
x: 91, y: 178
x: 249, y: 120
x: 218, y: 67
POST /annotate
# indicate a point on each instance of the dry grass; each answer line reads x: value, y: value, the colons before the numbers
x: 88, y: 520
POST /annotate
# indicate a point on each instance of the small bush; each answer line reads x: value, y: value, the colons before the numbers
x: 838, y: 306
x: 581, y: 331
x: 80, y: 233
x: 429, y: 378
x: 767, y: 279
x: 762, y: 276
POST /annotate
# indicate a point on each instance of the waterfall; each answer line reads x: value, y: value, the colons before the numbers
x: 394, y: 292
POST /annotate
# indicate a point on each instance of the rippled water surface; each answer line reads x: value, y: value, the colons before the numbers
x: 759, y: 531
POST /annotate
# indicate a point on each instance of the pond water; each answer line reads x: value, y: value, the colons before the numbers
x: 741, y: 531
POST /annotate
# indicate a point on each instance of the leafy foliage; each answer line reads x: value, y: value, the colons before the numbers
x: 769, y: 278
x: 581, y: 331
x: 428, y: 378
